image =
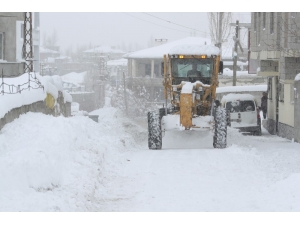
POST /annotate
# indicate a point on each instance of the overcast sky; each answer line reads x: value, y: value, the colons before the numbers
x: 100, y: 28
x: 114, y: 28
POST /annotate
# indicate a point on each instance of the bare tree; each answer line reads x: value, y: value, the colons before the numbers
x: 219, y: 26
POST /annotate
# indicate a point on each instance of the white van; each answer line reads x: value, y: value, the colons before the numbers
x: 244, y: 112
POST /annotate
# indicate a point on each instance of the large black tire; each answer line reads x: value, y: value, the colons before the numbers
x: 154, y: 131
x: 220, y: 132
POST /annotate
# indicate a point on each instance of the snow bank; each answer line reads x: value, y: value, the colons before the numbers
x: 62, y: 164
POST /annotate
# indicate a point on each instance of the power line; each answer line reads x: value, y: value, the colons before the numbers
x: 155, y: 23
x: 162, y: 25
x: 175, y: 23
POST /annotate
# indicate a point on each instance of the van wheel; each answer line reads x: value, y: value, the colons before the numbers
x: 154, y: 131
x: 220, y: 128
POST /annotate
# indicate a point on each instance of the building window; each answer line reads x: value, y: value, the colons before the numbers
x: 281, y: 92
x: 1, y: 45
x: 264, y: 20
x: 270, y: 88
x: 272, y: 22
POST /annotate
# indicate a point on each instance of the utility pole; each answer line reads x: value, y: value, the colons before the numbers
x: 125, y: 96
x: 27, y: 43
x: 220, y: 32
x: 235, y: 55
x: 219, y: 26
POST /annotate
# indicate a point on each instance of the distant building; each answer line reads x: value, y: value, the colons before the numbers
x: 46, y: 53
x: 109, y: 52
x: 115, y: 69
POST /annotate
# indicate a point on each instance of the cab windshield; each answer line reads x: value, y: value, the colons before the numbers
x: 181, y: 67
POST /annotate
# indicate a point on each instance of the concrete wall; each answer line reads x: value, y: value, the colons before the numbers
x: 271, y: 126
x: 285, y: 131
x: 65, y: 110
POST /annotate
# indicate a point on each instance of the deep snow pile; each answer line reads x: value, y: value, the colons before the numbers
x: 62, y: 164
x: 75, y: 164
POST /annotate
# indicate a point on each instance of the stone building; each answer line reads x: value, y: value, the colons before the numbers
x: 11, y: 42
x: 275, y: 42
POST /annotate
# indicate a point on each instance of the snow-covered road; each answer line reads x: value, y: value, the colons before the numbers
x: 255, y: 174
x: 75, y: 164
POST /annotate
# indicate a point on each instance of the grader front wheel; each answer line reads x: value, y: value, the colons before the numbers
x: 154, y: 131
x: 220, y: 132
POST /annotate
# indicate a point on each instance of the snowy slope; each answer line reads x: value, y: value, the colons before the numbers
x: 60, y: 164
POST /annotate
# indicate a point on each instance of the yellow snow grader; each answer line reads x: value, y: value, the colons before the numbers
x: 190, y: 81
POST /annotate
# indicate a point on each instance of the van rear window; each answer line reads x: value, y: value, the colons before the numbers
x: 240, y: 106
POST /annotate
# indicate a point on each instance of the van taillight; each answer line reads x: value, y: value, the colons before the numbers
x: 258, y: 113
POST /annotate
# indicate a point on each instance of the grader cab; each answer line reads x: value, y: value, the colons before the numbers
x: 190, y: 82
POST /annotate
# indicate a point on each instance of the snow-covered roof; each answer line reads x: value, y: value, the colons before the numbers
x: 104, y: 49
x: 237, y: 97
x: 75, y: 78
x: 158, y: 52
x: 230, y: 89
x: 195, y: 50
x: 46, y: 50
x: 117, y: 62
